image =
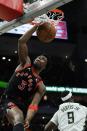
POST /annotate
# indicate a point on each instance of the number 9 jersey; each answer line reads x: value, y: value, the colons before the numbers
x: 70, y: 117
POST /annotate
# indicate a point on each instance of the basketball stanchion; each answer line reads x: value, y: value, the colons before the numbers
x: 35, y: 9
x: 11, y: 9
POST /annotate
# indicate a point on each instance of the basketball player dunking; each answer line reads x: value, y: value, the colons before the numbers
x: 24, y: 84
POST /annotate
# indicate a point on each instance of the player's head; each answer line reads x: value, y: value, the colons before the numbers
x: 66, y: 96
x: 40, y: 62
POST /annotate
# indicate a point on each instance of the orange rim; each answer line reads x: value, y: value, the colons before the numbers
x: 57, y: 10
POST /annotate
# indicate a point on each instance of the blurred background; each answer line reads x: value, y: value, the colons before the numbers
x: 67, y: 66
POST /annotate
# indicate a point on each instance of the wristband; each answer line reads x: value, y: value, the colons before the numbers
x: 33, y: 107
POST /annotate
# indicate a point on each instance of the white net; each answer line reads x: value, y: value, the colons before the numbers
x: 42, y: 18
x: 52, y: 17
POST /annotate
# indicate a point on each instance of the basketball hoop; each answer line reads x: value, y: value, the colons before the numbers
x: 53, y: 16
x: 35, y: 9
x: 56, y: 14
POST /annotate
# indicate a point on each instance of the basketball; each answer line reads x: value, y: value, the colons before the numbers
x: 46, y: 32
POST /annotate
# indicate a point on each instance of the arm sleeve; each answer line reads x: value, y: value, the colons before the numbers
x: 54, y: 119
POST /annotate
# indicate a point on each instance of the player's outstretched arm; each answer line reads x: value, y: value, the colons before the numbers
x: 33, y: 107
x: 50, y: 126
x: 22, y: 46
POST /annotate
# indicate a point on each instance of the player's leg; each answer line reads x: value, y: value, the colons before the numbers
x: 15, y: 117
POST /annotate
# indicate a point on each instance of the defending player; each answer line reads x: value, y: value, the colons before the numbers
x: 71, y: 116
